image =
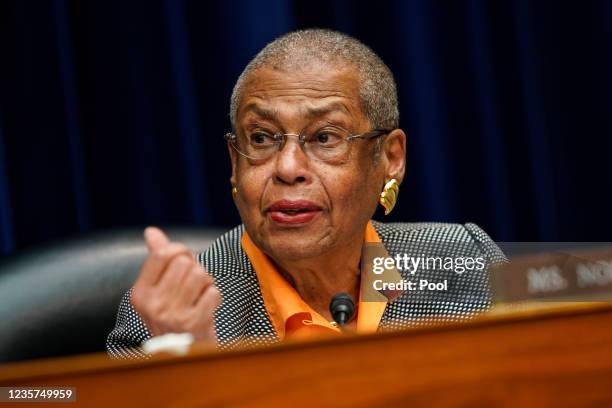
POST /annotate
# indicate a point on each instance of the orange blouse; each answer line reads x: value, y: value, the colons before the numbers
x: 293, y: 318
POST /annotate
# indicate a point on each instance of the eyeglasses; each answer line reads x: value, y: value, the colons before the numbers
x: 329, y: 145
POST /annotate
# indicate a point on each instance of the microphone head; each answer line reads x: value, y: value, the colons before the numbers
x: 342, y: 308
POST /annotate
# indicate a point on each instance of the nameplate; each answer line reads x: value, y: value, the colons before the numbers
x: 580, y: 275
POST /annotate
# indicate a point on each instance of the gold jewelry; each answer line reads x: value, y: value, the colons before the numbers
x: 234, y: 192
x: 388, y: 197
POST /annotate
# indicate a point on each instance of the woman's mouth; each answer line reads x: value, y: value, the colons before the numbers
x: 287, y: 212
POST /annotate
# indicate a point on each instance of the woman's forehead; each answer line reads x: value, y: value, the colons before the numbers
x: 308, y: 109
x: 311, y: 93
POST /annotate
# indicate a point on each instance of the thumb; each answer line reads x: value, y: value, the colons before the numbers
x: 155, y: 238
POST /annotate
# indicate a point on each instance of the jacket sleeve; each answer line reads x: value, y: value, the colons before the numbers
x: 492, y: 252
x: 124, y: 341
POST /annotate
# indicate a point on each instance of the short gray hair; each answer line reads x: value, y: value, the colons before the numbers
x: 377, y: 88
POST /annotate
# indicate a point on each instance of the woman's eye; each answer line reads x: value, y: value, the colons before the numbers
x: 328, y: 139
x: 261, y: 138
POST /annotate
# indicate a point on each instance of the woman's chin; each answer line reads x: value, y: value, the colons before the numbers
x: 296, y: 248
x: 295, y: 240
x: 295, y: 252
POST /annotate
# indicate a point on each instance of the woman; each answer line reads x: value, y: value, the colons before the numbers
x: 315, y: 148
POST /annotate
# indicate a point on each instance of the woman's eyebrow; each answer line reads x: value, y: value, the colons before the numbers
x: 326, y: 109
x: 262, y: 112
x: 309, y: 112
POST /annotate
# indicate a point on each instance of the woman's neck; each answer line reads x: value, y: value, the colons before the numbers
x: 317, y: 280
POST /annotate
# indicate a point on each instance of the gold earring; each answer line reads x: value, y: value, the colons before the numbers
x: 388, y: 197
x: 234, y: 192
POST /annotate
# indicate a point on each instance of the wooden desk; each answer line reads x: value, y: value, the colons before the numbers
x: 559, y: 355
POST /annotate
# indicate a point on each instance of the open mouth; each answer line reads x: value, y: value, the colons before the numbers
x: 293, y: 212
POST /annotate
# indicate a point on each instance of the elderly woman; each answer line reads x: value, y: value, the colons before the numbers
x: 315, y: 148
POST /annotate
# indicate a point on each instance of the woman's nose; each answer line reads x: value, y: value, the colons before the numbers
x: 292, y: 164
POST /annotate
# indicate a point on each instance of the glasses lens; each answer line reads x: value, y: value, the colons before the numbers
x: 328, y: 145
x: 325, y: 145
x: 257, y: 145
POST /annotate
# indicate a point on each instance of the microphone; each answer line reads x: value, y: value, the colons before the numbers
x: 342, y: 308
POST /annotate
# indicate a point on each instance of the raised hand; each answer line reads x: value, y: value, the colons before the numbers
x: 173, y: 293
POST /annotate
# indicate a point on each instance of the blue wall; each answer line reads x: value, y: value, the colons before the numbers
x: 112, y: 112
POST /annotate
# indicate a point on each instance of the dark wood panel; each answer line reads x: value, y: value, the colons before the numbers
x: 542, y: 357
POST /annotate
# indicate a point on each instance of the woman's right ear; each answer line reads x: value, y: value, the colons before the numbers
x: 234, y: 160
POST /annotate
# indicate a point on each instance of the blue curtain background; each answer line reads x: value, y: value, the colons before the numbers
x: 112, y: 112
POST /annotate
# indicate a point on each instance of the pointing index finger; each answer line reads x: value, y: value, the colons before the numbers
x: 155, y: 238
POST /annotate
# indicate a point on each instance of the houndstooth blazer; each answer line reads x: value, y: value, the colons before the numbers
x: 242, y: 317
